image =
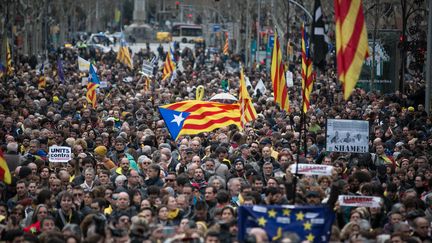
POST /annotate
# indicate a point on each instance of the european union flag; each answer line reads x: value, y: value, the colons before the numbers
x: 312, y: 223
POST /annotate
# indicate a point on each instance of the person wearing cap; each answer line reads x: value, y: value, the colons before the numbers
x: 100, y: 153
x: 267, y: 142
x: 186, y: 158
x: 314, y: 196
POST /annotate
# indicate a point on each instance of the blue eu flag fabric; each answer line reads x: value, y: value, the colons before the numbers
x: 311, y: 223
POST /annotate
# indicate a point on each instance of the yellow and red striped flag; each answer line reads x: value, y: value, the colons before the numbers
x: 147, y: 83
x: 5, y: 174
x: 226, y: 46
x: 194, y: 116
x: 168, y: 66
x: 351, y: 42
x: 280, y: 89
x: 306, y: 73
x: 92, y: 86
x: 9, y: 68
x: 247, y: 110
x: 124, y: 56
x: 42, y: 82
x: 91, y: 93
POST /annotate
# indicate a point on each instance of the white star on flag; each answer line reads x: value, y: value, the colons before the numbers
x: 178, y: 119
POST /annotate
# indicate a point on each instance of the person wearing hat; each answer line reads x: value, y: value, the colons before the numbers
x: 102, y: 160
x: 314, y: 196
x: 245, y: 155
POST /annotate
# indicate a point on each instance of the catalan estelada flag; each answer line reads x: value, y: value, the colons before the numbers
x: 226, y: 46
x: 124, y: 56
x: 280, y: 89
x: 306, y: 73
x: 168, y: 66
x: 92, y: 85
x: 194, y: 116
x: 351, y: 42
x: 5, y: 174
x: 247, y: 110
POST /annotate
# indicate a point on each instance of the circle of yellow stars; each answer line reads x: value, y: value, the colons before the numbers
x: 300, y: 216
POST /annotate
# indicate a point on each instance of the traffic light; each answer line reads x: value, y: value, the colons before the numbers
x: 402, y: 42
x: 177, y: 3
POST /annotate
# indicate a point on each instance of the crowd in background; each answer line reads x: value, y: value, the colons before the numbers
x: 129, y: 181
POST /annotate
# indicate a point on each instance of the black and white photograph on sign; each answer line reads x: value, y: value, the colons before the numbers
x: 347, y: 136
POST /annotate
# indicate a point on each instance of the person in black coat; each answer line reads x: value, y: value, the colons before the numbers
x: 154, y: 176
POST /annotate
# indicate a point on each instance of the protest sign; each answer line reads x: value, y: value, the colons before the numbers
x: 359, y: 201
x: 147, y: 69
x: 57, y: 154
x: 103, y: 84
x: 347, y: 136
x: 312, y: 169
x: 289, y: 79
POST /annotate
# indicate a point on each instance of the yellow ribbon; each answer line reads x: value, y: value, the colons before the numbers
x: 199, y: 92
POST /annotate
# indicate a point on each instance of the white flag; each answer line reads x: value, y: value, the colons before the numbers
x: 248, y: 83
x: 261, y: 87
x: 83, y: 65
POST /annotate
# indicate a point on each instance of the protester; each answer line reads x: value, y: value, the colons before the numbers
x: 128, y: 179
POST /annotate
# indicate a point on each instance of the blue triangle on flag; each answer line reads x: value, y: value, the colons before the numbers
x: 93, y: 75
x: 174, y: 120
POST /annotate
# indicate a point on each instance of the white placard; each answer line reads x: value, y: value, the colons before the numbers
x: 147, y: 68
x: 103, y: 84
x: 84, y: 81
x: 312, y: 169
x: 359, y: 201
x: 83, y: 65
x: 59, y: 154
x: 347, y: 136
x: 289, y: 79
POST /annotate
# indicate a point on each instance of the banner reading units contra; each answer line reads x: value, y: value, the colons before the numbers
x: 59, y: 154
x: 347, y: 136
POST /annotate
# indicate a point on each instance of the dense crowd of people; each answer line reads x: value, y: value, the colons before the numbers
x: 128, y: 181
